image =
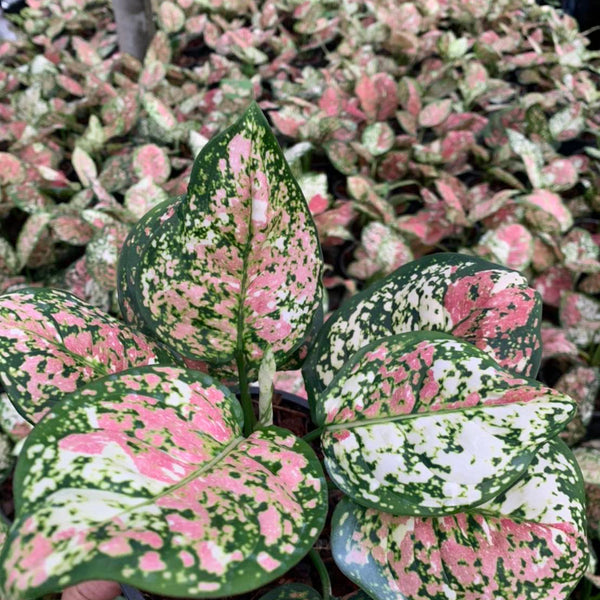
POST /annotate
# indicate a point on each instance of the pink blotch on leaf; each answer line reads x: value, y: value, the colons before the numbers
x: 239, y: 153
x: 270, y: 525
x: 151, y: 561
x: 267, y: 562
x: 117, y: 546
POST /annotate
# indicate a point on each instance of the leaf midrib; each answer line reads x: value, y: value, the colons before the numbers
x: 196, y: 474
x: 414, y: 415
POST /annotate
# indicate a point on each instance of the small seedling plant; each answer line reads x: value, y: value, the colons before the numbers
x: 144, y: 467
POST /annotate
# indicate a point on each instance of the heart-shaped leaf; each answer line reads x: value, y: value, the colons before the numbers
x: 233, y: 267
x: 145, y: 477
x: 530, y: 542
x: 425, y: 424
x: 488, y: 305
x: 52, y: 343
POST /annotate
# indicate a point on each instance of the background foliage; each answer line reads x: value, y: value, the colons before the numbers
x: 412, y: 127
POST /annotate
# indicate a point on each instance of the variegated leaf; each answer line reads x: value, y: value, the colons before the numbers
x: 529, y: 542
x: 547, y: 212
x: 510, y: 245
x: 580, y: 317
x: 102, y: 254
x: 142, y: 196
x: 144, y: 477
x: 34, y: 244
x: 12, y: 170
x: 151, y: 161
x: 582, y: 384
x: 485, y: 304
x: 233, y: 267
x: 378, y: 138
x: 425, y: 424
x: 11, y: 422
x: 588, y: 460
x: 52, y: 343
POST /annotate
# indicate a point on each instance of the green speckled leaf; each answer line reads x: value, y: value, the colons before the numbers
x: 485, y: 304
x: 233, y: 267
x: 528, y: 543
x: 425, y: 424
x: 52, y: 343
x: 144, y: 477
x: 292, y: 591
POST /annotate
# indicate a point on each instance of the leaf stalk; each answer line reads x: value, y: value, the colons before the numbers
x: 245, y: 396
x: 319, y: 565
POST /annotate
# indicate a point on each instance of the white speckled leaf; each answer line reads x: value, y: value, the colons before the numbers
x: 425, y: 424
x: 52, y: 343
x: 233, y: 267
x: 485, y: 304
x: 530, y: 542
x: 144, y: 477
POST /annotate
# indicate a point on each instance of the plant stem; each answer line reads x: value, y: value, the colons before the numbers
x: 319, y: 565
x: 313, y: 435
x: 245, y: 397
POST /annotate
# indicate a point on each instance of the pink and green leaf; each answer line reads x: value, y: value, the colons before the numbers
x: 12, y: 170
x: 162, y: 492
x: 34, y: 244
x: 151, y: 161
x: 52, y: 343
x: 234, y: 266
x: 425, y: 424
x: 143, y: 196
x: 529, y: 542
x: 378, y: 138
x: 102, y: 254
x: 510, y: 245
x: 553, y: 283
x: 11, y: 422
x: 582, y: 384
x: 555, y: 343
x: 580, y: 317
x: 71, y: 229
x: 547, y: 212
x: 485, y: 304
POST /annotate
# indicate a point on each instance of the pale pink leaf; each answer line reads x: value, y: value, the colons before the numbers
x: 378, y: 138
x: 84, y: 166
x: 12, y: 169
x: 546, y: 211
x: 144, y: 195
x: 435, y: 113
x: 510, y: 245
x: 71, y: 229
x: 552, y: 283
x: 151, y: 161
x: 555, y: 343
x: 580, y: 317
x: 580, y: 251
x: 382, y: 251
x: 170, y: 17
x: 561, y: 174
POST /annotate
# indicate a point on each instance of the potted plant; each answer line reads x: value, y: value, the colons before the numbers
x: 143, y: 469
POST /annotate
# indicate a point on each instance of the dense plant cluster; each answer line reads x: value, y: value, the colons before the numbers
x: 412, y: 128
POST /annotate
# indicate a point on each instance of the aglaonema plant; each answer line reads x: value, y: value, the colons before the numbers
x: 421, y: 388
